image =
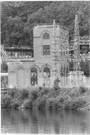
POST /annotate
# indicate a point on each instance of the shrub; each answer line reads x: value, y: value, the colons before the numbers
x: 40, y: 88
x: 28, y: 104
x: 54, y: 93
x: 50, y: 103
x: 14, y: 93
x: 78, y: 103
x: 82, y: 90
x: 68, y: 105
x: 33, y: 95
x: 24, y: 93
x: 75, y: 93
x: 43, y: 91
x: 40, y: 102
x: 15, y: 104
x: 61, y: 101
x: 56, y: 83
x: 48, y: 98
x: 5, y: 101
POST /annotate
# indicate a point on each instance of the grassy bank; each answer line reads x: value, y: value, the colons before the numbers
x: 46, y: 98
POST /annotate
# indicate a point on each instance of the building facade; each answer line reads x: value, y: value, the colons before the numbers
x: 49, y: 42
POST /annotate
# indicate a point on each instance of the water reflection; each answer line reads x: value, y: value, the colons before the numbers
x: 33, y: 121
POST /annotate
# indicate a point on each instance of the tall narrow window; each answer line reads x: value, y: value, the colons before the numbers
x: 34, y: 79
x: 46, y: 73
x: 64, y: 71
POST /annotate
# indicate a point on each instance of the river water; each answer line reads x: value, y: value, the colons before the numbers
x: 45, y: 122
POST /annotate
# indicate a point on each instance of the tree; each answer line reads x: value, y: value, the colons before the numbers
x: 19, y: 18
x: 4, y: 67
x: 85, y: 67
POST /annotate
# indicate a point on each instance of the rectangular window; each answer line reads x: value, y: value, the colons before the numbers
x: 61, y: 53
x: 46, y: 49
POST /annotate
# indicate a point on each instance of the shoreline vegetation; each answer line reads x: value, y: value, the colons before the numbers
x: 42, y: 98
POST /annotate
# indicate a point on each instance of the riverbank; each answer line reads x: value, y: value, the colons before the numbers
x: 46, y: 98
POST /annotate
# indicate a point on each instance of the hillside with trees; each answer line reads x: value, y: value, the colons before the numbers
x: 19, y: 18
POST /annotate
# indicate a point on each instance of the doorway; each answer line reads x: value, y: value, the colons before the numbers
x: 34, y: 80
x: 46, y: 75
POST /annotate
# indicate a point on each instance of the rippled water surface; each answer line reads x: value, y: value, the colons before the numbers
x: 61, y: 122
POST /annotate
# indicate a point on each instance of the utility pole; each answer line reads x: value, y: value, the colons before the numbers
x: 76, y: 59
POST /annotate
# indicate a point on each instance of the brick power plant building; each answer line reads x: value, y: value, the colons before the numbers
x: 49, y: 59
x: 40, y: 69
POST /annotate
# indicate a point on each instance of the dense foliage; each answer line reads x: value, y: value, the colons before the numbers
x: 85, y: 66
x: 4, y: 67
x: 19, y: 18
x: 47, y: 98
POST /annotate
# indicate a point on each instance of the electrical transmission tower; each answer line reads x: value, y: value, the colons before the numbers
x: 89, y: 24
x: 55, y: 50
x: 77, y: 56
x: 76, y: 45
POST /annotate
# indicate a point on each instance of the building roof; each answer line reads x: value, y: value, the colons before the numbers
x: 50, y: 25
x: 7, y: 48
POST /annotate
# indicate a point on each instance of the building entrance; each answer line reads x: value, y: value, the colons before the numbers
x: 46, y: 73
x: 34, y: 80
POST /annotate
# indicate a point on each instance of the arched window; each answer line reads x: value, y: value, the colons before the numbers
x: 46, y: 73
x: 67, y: 71
x: 46, y: 36
x: 64, y: 70
x: 34, y: 80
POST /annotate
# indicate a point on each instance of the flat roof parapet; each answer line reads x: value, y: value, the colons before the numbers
x: 50, y: 25
x: 21, y: 60
x: 17, y: 47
